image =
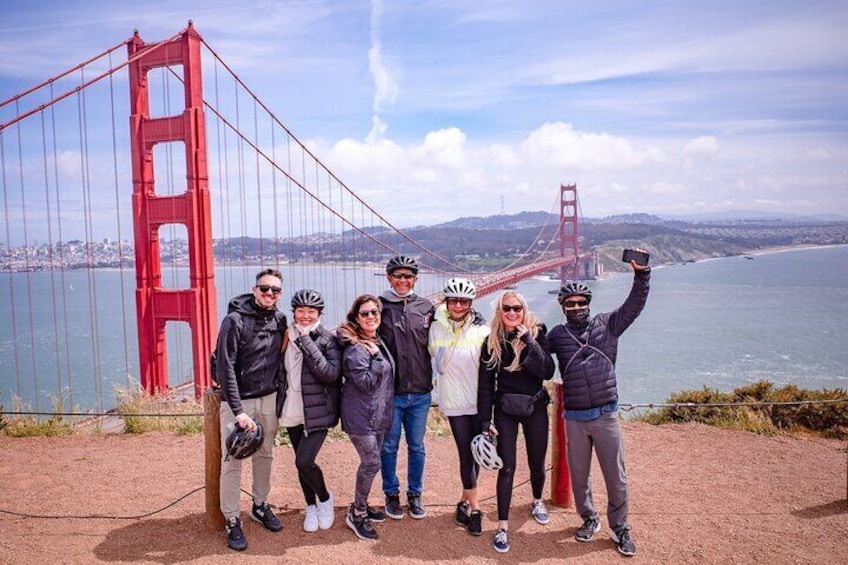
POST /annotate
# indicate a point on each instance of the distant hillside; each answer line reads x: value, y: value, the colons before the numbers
x: 503, y: 222
x: 478, y: 243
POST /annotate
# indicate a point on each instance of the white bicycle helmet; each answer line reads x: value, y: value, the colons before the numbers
x: 460, y: 288
x: 485, y: 452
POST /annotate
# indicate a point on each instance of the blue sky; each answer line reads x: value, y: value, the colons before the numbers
x: 439, y: 109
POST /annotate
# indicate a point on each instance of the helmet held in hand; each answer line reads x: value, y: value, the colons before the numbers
x: 242, y: 443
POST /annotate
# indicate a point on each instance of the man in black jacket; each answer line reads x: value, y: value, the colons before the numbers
x: 249, y: 368
x: 405, y: 329
x: 586, y: 349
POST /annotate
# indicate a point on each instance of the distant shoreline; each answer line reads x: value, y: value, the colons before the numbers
x: 785, y: 248
x: 751, y: 253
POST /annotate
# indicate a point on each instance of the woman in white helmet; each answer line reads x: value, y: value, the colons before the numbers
x: 456, y: 339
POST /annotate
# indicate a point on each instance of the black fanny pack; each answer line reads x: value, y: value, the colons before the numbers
x: 522, y: 404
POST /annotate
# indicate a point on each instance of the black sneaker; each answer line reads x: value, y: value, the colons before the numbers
x: 475, y: 523
x: 393, y: 508
x: 235, y: 537
x: 587, y: 531
x: 416, y: 507
x: 463, y: 514
x: 501, y: 541
x: 376, y: 515
x: 361, y: 525
x: 624, y: 542
x: 265, y: 516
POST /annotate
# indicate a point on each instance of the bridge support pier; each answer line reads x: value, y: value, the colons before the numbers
x: 561, y: 493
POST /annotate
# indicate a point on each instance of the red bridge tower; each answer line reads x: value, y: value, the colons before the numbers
x: 156, y: 305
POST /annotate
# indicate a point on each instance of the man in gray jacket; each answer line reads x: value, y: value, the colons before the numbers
x: 586, y: 349
x: 249, y: 368
x: 405, y: 329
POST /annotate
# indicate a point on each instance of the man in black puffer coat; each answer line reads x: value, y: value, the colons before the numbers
x: 249, y: 370
x: 586, y: 350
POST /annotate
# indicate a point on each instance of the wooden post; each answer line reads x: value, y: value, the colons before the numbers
x: 560, y: 475
x: 212, y: 434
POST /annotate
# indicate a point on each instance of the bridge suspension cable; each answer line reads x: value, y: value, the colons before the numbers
x: 66, y: 161
x: 54, y: 99
x: 330, y: 174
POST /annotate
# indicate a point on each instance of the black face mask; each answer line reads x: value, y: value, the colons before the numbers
x: 577, y: 317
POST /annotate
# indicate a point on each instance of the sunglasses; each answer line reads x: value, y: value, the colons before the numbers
x: 368, y: 313
x: 404, y: 276
x: 460, y: 301
x: 263, y: 288
x: 506, y: 308
x: 576, y: 303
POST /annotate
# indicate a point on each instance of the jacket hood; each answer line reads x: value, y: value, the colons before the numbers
x: 245, y: 304
x: 390, y: 296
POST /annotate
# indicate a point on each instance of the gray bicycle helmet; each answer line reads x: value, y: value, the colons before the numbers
x: 460, y: 288
x: 574, y: 288
x: 242, y: 443
x: 402, y: 262
x: 307, y: 297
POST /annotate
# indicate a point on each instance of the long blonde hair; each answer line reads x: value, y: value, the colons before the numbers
x: 498, y: 337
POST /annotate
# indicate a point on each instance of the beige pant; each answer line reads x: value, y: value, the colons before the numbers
x: 264, y: 411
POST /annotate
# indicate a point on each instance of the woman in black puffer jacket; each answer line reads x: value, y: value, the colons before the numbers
x: 310, y: 401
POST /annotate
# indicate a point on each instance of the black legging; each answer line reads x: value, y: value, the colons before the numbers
x: 464, y: 428
x: 306, y: 448
x: 535, y: 429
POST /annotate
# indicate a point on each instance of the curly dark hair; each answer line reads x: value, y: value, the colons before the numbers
x: 351, y: 330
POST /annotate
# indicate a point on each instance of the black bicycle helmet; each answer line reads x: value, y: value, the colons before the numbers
x: 307, y: 297
x: 242, y: 443
x: 574, y: 288
x: 402, y: 262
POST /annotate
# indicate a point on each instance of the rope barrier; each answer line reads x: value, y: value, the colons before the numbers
x: 101, y: 516
x: 629, y: 407
x: 626, y: 407
x: 96, y: 414
x: 183, y: 497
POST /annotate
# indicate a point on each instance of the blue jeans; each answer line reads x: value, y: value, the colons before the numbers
x: 410, y: 412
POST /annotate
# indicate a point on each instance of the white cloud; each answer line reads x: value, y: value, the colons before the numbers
x: 558, y: 145
x: 385, y: 77
x: 819, y: 155
x: 704, y: 146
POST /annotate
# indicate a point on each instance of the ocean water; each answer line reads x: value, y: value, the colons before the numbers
x: 722, y: 323
x: 728, y: 322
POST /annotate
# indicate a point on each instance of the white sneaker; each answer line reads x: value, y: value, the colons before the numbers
x: 310, y: 523
x: 326, y: 513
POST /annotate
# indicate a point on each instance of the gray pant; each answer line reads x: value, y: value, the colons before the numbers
x: 264, y: 411
x: 604, y: 434
x: 368, y: 446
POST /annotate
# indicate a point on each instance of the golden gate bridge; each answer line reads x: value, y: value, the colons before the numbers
x: 203, y: 164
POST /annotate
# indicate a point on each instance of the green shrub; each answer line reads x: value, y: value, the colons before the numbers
x: 824, y: 419
x: 140, y: 413
x: 30, y: 426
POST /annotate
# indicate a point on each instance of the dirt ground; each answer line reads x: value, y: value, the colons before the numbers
x: 699, y: 495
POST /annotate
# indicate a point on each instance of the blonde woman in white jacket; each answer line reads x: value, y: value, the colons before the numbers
x: 456, y: 339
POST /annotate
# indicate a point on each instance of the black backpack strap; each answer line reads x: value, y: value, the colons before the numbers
x: 584, y: 345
